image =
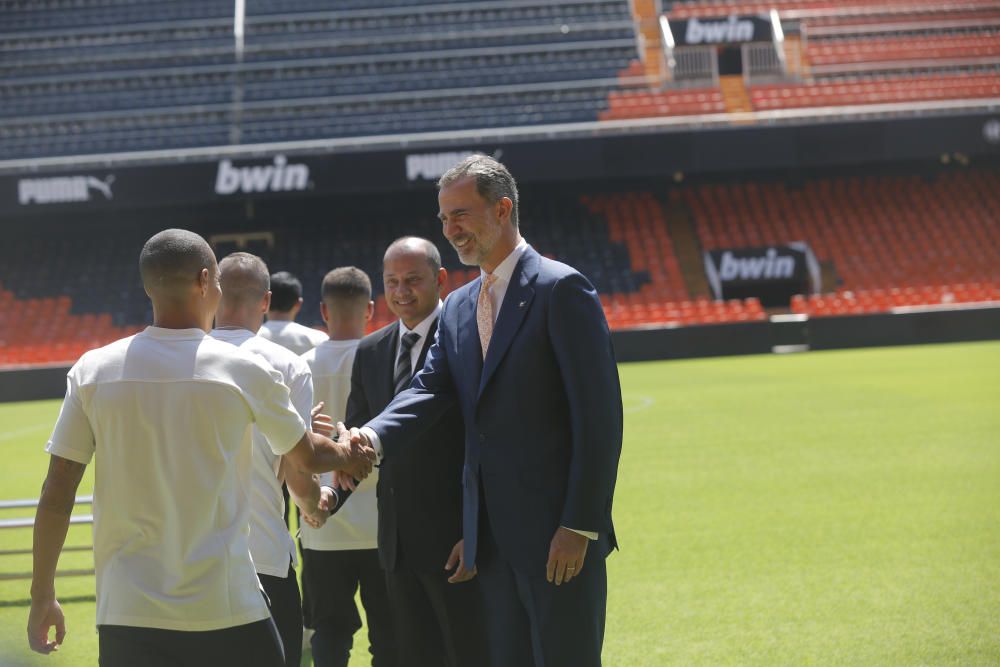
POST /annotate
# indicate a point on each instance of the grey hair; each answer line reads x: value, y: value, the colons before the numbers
x: 493, y: 181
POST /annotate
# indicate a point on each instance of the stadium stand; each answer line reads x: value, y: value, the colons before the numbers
x: 884, y: 242
x: 892, y: 242
x: 844, y: 54
x: 131, y: 75
x: 128, y: 75
x: 876, y: 91
x: 643, y: 104
x: 689, y: 8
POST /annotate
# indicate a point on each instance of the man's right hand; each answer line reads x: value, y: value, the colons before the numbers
x: 359, y: 437
x: 359, y: 455
x: 44, y: 614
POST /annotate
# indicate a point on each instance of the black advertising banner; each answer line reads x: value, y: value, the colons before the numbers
x: 721, y: 30
x: 773, y: 274
x: 651, y: 153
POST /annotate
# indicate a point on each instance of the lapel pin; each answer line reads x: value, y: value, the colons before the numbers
x: 521, y: 305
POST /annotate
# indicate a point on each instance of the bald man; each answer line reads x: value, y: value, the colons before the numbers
x: 165, y: 412
x: 246, y: 296
x: 419, y: 497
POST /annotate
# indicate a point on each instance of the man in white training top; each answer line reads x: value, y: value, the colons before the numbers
x: 342, y: 557
x: 165, y: 412
x: 281, y: 327
x: 245, y: 296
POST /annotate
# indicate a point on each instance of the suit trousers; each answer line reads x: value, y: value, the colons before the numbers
x: 252, y: 644
x: 286, y: 610
x: 330, y: 580
x: 436, y: 623
x: 532, y: 622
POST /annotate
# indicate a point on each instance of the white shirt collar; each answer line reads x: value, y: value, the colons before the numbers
x: 236, y: 334
x: 505, y: 269
x: 424, y: 326
x: 160, y: 332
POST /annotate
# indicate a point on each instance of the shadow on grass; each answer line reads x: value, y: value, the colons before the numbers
x: 63, y: 601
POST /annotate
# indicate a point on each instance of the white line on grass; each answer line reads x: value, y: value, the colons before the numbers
x: 644, y: 402
x: 23, y: 431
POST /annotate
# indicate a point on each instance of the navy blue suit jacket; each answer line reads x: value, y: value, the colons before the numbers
x: 542, y: 412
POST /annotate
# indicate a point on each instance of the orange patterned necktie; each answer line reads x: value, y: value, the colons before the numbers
x: 484, y: 313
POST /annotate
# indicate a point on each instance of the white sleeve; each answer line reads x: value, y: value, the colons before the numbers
x: 589, y: 534
x: 73, y: 436
x: 374, y: 439
x: 275, y: 415
x: 300, y: 390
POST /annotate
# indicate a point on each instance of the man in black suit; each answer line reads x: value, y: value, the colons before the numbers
x: 436, y: 622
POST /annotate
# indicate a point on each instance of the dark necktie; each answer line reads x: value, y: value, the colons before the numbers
x: 404, y: 368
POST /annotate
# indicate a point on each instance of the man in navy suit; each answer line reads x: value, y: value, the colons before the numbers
x: 526, y: 354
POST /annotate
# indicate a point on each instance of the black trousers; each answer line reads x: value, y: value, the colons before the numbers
x: 256, y: 644
x: 286, y: 611
x: 531, y: 622
x: 436, y: 623
x: 329, y: 581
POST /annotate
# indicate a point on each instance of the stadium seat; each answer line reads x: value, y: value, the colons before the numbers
x: 892, y: 241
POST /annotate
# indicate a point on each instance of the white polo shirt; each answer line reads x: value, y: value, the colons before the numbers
x: 271, y: 545
x: 166, y: 412
x: 355, y: 525
x: 292, y: 335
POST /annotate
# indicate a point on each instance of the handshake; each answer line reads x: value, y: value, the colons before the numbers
x: 357, y: 452
x: 351, y: 458
x: 355, y: 459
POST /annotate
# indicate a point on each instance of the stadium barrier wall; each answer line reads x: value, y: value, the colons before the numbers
x: 32, y: 384
x: 710, y: 340
x: 818, y: 333
x: 952, y: 326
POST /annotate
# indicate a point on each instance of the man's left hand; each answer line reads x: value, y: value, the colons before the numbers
x: 322, y: 424
x: 566, y: 555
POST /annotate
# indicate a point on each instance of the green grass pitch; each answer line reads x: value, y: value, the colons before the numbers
x: 836, y: 508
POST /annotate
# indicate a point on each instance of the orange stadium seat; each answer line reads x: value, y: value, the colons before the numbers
x: 699, y: 8
x: 875, y: 91
x: 893, y: 241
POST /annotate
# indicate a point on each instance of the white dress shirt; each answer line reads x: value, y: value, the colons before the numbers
x: 421, y: 330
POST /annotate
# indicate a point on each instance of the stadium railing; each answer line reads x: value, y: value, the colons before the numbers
x: 29, y: 522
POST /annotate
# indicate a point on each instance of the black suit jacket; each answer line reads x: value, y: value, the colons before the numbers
x: 420, y: 493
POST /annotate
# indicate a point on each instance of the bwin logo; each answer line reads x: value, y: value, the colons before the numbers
x: 277, y: 177
x: 718, y: 32
x: 62, y: 189
x: 755, y: 268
